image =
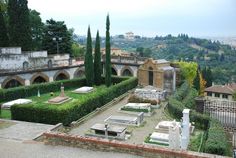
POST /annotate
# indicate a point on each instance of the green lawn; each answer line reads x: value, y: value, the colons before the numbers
x: 196, y: 140
x: 6, y: 114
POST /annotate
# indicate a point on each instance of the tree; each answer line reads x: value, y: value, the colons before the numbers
x: 4, y: 41
x: 196, y: 81
x: 234, y: 96
x: 58, y: 31
x: 89, y: 60
x: 77, y: 50
x: 108, y: 54
x: 19, y: 24
x: 207, y: 75
x: 36, y: 26
x: 202, y: 85
x: 97, y: 62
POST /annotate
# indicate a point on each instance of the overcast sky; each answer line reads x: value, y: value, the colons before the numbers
x: 143, y: 17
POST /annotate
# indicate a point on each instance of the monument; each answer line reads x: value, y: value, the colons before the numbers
x: 62, y: 98
x: 7, y: 105
x: 185, y: 131
x: 174, y: 136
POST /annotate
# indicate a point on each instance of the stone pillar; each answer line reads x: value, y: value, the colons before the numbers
x: 174, y: 136
x: 118, y: 72
x: 50, y: 79
x: 185, y: 129
x: 174, y: 80
x: 27, y: 82
x: 106, y: 130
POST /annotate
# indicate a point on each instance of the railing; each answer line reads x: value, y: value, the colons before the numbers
x: 126, y: 59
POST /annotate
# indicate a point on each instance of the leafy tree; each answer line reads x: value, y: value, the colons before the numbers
x: 4, y: 41
x: 56, y: 31
x: 140, y: 50
x: 196, y: 81
x: 234, y: 96
x: 207, y: 75
x: 202, y: 85
x: 19, y: 24
x: 77, y: 50
x: 89, y: 73
x: 188, y: 71
x: 97, y: 62
x: 36, y: 26
x: 108, y: 54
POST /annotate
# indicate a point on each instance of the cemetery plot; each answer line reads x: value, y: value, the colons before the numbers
x: 7, y: 105
x: 84, y: 89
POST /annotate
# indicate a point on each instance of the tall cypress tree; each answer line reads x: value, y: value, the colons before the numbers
x: 97, y: 62
x: 4, y: 41
x: 89, y: 60
x: 209, y: 77
x: 19, y: 30
x: 108, y: 54
x: 196, y: 81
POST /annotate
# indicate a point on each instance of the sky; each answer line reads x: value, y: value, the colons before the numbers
x: 198, y: 18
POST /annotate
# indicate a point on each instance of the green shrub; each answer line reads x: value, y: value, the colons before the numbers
x: 134, y: 110
x: 217, y: 142
x: 73, y: 110
x: 135, y: 99
x: 32, y: 90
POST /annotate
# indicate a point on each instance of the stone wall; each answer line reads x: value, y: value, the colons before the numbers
x: 52, y: 138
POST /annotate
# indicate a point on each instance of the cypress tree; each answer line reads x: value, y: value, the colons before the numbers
x: 108, y: 54
x: 19, y: 30
x: 209, y: 77
x: 97, y: 62
x: 196, y: 81
x: 89, y: 60
x: 4, y: 41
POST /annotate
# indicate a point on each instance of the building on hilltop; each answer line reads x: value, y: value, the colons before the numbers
x: 129, y: 35
x: 224, y: 92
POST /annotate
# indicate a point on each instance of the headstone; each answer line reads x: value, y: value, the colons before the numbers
x: 185, y: 129
x: 106, y: 130
x: 61, y: 98
x: 174, y: 136
x: 140, y: 118
x: 38, y: 93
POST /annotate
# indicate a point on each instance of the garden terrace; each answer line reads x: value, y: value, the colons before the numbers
x: 79, y: 106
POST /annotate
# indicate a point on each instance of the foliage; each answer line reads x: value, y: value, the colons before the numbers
x: 188, y: 70
x: 202, y: 85
x: 136, y: 99
x: 27, y: 91
x: 196, y: 81
x: 36, y: 26
x: 234, y: 96
x: 207, y: 76
x: 108, y: 54
x: 58, y: 31
x: 4, y: 41
x: 77, y: 50
x: 89, y: 70
x: 217, y: 142
x: 5, y: 114
x: 134, y: 110
x: 71, y: 111
x: 19, y: 24
x: 184, y: 98
x: 97, y: 62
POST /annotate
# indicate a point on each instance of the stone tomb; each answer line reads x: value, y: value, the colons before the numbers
x: 162, y: 138
x: 126, y: 120
x: 7, y: 105
x: 108, y: 131
x: 62, y: 98
x: 146, y: 106
x: 83, y: 90
x: 164, y: 126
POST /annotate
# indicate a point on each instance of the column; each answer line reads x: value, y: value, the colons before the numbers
x: 185, y: 129
x: 27, y: 82
x: 50, y: 79
x: 174, y: 79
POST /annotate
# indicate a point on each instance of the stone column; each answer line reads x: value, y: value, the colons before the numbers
x: 174, y: 80
x: 174, y: 136
x: 27, y: 82
x: 50, y: 79
x: 185, y: 129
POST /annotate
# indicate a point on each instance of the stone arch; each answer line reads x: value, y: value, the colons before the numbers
x: 80, y: 72
x: 114, y: 71
x: 61, y: 75
x: 127, y: 71
x: 13, y: 81
x: 39, y: 78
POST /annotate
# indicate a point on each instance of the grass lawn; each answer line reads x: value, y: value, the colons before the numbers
x: 6, y: 114
x: 196, y: 140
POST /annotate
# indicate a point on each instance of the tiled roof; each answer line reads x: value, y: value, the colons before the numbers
x: 226, y: 89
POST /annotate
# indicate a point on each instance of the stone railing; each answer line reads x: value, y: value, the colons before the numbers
x: 126, y: 59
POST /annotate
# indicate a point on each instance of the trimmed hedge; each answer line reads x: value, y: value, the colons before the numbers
x: 184, y: 98
x: 73, y: 110
x: 32, y: 90
x: 217, y: 142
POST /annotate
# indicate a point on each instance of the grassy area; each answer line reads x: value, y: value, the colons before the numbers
x: 196, y: 141
x: 6, y: 114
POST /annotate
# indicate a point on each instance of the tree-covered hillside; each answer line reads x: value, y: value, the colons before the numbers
x: 219, y: 57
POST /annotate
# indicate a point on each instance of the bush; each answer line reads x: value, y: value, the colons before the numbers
x: 32, y: 90
x: 217, y: 142
x: 135, y: 99
x: 73, y: 110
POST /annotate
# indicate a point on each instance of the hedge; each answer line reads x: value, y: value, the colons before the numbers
x: 217, y: 142
x: 184, y: 98
x: 32, y: 90
x: 73, y: 110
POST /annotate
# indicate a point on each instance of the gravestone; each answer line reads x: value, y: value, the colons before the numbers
x: 61, y: 98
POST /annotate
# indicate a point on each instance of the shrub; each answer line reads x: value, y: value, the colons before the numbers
x: 217, y: 142
x: 73, y: 110
x: 135, y: 99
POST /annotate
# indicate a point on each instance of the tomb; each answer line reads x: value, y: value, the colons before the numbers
x: 161, y: 138
x: 62, y: 98
x: 150, y: 92
x: 7, y: 105
x: 83, y: 90
x: 108, y: 131
x: 137, y: 107
x: 174, y: 136
x: 164, y: 126
x: 126, y: 120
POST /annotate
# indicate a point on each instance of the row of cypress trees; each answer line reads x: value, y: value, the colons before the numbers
x: 93, y: 70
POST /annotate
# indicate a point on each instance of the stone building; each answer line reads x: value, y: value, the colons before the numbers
x: 158, y: 73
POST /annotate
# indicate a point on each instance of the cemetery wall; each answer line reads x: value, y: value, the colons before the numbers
x: 52, y: 138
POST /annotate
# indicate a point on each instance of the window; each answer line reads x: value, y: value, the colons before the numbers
x: 209, y: 94
x: 225, y: 96
x: 217, y: 95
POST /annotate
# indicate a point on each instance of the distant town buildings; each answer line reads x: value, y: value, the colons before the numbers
x: 116, y: 52
x: 129, y: 35
x: 221, y: 91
